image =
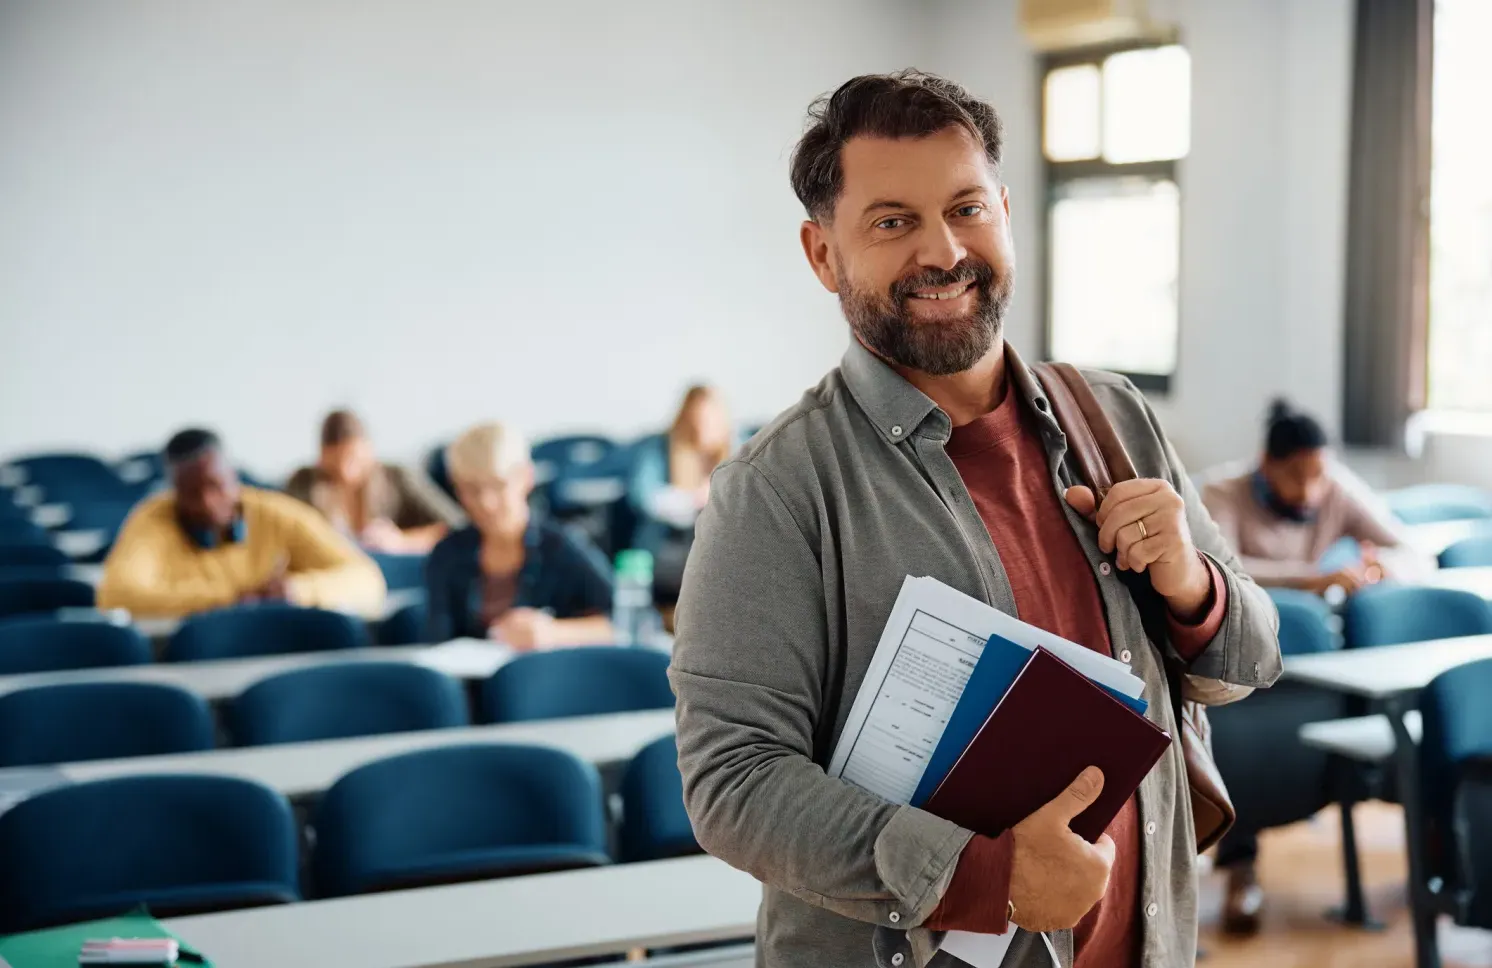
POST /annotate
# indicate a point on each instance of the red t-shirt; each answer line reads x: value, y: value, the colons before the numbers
x: 1004, y: 465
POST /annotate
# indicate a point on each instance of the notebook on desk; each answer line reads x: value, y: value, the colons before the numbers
x: 1051, y: 724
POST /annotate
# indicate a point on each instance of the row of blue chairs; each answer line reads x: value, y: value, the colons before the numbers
x: 72, y: 722
x: 182, y: 844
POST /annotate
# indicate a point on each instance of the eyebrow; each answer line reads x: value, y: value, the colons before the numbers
x: 891, y: 203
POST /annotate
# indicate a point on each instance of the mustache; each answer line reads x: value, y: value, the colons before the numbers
x: 967, y: 270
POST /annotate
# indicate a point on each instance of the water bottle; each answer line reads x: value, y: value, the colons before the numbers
x: 632, y: 598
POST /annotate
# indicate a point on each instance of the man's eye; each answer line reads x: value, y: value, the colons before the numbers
x: 969, y: 211
x: 891, y: 224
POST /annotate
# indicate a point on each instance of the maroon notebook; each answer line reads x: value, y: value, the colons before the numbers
x: 1051, y: 724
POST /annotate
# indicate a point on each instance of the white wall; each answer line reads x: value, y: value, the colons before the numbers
x: 242, y: 214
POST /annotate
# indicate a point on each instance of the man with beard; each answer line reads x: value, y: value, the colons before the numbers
x: 932, y: 450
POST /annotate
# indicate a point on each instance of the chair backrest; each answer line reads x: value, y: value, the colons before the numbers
x: 401, y: 571
x: 654, y: 822
x: 1305, y: 622
x: 42, y: 643
x: 1457, y: 718
x: 457, y: 812
x: 435, y: 469
x: 24, y: 533
x: 1429, y: 503
x: 233, y: 633
x: 345, y: 699
x: 32, y: 556
x: 581, y: 473
x: 584, y: 681
x: 407, y: 626
x: 1468, y: 553
x: 1391, y: 614
x: 178, y: 844
x: 75, y: 721
x: 24, y: 596
x: 101, y: 515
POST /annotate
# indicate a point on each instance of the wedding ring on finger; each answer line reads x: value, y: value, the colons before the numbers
x: 1141, y: 525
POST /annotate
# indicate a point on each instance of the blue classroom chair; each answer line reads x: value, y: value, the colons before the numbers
x: 405, y: 627
x: 74, y: 721
x: 583, y: 681
x: 42, y: 643
x: 68, y: 475
x: 1430, y: 503
x: 251, y: 630
x: 345, y: 699
x: 177, y: 844
x: 401, y: 571
x: 1455, y: 781
x: 1468, y: 553
x: 654, y: 822
x: 22, y: 596
x: 1390, y: 614
x: 457, y: 813
x: 33, y: 556
x: 24, y: 533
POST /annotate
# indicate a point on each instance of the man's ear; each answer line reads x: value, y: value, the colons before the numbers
x: 820, y: 254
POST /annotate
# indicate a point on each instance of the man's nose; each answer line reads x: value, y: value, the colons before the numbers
x: 940, y: 248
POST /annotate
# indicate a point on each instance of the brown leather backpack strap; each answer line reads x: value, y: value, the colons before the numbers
x: 1121, y: 468
x: 1085, y: 448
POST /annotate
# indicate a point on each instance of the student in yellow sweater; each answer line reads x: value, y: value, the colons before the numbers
x: 210, y: 543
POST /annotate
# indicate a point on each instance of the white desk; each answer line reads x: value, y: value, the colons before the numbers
x: 1367, y: 739
x: 1386, y: 671
x: 1475, y: 580
x: 1432, y: 539
x: 517, y: 921
x: 307, y: 769
x: 224, y: 678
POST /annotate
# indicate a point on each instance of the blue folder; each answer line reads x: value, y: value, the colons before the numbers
x: 993, y: 675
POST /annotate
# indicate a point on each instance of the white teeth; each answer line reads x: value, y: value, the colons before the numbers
x: 941, y: 295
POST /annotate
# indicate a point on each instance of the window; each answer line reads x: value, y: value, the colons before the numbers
x: 1460, y: 327
x: 1114, y: 124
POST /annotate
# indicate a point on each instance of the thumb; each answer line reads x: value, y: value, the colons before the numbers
x: 1078, y: 796
x: 1082, y: 500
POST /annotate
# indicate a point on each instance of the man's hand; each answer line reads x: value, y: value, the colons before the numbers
x: 1349, y: 580
x: 525, y: 629
x: 1056, y: 876
x: 1143, y: 522
x: 276, y: 588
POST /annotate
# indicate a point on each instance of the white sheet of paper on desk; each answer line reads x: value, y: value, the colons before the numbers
x: 929, y: 648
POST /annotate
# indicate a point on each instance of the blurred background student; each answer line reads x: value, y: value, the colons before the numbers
x: 210, y: 542
x: 384, y: 507
x: 1296, y: 504
x: 670, y: 483
x: 510, y: 576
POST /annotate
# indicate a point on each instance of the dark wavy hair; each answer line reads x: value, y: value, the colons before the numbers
x: 907, y: 104
x: 1288, y: 432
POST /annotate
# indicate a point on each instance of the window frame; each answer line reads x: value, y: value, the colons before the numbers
x: 1056, y: 174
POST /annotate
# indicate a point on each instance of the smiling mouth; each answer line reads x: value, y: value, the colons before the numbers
x: 953, y: 293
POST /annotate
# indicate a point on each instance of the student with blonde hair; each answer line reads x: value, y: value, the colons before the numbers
x: 509, y: 576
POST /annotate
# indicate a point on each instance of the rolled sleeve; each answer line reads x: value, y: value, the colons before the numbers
x: 749, y: 671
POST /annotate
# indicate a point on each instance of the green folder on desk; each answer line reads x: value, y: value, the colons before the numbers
x: 59, y: 947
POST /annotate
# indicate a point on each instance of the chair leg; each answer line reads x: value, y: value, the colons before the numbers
x: 1354, y: 910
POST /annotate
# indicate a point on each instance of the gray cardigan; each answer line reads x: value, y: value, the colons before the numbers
x: 797, y: 561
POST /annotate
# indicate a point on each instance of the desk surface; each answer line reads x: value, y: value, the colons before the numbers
x: 307, y: 769
x: 224, y: 678
x: 1369, y: 739
x: 1432, y: 539
x: 518, y: 921
x: 1388, y: 670
x: 1478, y: 580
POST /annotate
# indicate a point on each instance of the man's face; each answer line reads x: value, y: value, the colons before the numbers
x: 918, y: 249
x: 206, y: 493
x: 1300, y: 480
